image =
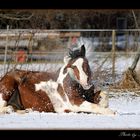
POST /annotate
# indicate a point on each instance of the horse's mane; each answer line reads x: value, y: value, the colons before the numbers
x: 73, y: 54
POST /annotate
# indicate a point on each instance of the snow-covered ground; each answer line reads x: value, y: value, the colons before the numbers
x: 126, y: 104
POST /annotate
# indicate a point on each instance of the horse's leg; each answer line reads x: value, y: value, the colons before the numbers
x: 3, y: 103
x: 27, y: 110
x: 15, y: 100
x: 93, y: 108
x: 3, y: 106
x: 8, y: 86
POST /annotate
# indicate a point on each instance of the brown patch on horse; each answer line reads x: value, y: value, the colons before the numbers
x: 7, y: 86
x: 67, y: 111
x: 90, y: 95
x: 34, y: 76
x: 76, y: 72
x: 37, y: 100
x: 86, y: 69
x: 65, y: 70
x: 96, y: 97
x: 72, y: 92
x: 61, y: 92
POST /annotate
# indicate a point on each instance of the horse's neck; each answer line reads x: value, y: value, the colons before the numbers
x: 73, y: 90
x: 66, y: 80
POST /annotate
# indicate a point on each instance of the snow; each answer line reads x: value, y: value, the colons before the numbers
x: 125, y: 103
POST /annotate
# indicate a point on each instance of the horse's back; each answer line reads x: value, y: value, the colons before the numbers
x: 36, y: 76
x: 21, y: 83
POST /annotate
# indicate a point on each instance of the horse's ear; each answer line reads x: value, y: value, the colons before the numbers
x: 83, y: 50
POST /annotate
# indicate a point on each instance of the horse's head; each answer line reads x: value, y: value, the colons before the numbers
x: 78, y: 67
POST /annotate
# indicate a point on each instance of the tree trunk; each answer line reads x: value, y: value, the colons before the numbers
x: 136, y: 59
x: 131, y: 79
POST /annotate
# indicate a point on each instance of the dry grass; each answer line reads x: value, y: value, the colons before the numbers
x: 130, y: 81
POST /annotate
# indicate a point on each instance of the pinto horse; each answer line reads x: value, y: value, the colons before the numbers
x: 69, y: 90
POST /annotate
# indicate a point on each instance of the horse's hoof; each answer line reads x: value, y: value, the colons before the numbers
x: 8, y: 110
x: 20, y: 111
x: 28, y: 110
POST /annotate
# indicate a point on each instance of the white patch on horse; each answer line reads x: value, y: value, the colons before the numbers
x: 104, y: 99
x: 2, y: 102
x: 50, y: 87
x: 91, y: 107
x: 83, y: 77
x: 3, y: 106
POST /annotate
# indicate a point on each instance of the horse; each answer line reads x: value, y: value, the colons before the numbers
x: 70, y: 90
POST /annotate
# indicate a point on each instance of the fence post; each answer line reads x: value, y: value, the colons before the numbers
x: 6, y: 48
x: 113, y: 55
x: 30, y: 45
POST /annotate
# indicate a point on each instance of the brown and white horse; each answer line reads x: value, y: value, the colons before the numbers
x: 68, y: 91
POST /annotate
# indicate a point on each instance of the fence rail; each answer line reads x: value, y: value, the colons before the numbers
x: 101, y: 40
x: 102, y: 46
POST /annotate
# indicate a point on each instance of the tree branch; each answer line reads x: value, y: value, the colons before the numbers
x: 13, y: 17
